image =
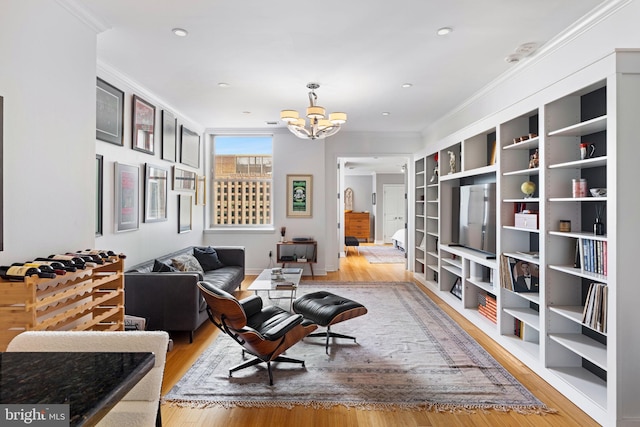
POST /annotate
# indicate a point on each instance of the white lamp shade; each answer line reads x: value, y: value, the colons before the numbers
x: 338, y: 118
x: 289, y: 115
x: 315, y: 112
x: 299, y: 123
x: 324, y: 123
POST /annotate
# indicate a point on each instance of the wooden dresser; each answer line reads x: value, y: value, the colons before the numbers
x: 357, y: 224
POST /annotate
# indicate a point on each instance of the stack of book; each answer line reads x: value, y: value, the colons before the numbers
x: 592, y: 256
x: 594, y: 314
x: 487, y: 306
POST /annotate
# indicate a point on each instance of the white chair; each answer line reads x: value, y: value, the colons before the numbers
x: 139, y: 407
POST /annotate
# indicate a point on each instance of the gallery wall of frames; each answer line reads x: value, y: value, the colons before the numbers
x: 141, y: 189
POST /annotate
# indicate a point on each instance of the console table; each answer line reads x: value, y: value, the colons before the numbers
x: 302, y: 252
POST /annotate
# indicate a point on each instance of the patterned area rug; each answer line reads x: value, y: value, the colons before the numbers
x: 382, y: 254
x: 409, y: 354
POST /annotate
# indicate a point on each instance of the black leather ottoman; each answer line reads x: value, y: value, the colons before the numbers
x: 352, y: 241
x: 326, y: 309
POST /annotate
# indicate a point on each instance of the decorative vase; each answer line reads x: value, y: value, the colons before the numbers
x: 598, y: 227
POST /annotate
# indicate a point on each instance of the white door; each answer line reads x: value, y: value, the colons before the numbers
x: 393, y: 210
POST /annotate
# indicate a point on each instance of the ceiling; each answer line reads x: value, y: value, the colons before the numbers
x: 360, y: 52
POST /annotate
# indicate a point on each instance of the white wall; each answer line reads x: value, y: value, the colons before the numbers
x: 47, y: 78
x: 362, y: 186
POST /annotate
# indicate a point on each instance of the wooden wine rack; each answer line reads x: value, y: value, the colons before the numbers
x: 90, y: 299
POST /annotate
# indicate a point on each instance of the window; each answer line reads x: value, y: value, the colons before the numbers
x: 242, y: 181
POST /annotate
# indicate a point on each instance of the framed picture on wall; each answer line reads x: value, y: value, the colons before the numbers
x: 99, y: 187
x: 184, y: 180
x: 156, y: 186
x: 299, y: 196
x: 169, y: 133
x: 184, y: 212
x: 143, y: 125
x: 201, y: 190
x: 189, y: 147
x: 109, y: 113
x: 127, y: 191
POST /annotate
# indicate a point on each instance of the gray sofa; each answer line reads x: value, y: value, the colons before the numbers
x: 171, y: 300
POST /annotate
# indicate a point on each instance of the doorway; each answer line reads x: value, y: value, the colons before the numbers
x: 393, y: 212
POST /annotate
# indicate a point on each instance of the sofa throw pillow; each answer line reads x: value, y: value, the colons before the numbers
x: 161, y: 267
x: 187, y: 262
x: 208, y: 258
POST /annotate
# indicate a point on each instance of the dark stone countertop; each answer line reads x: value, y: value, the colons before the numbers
x: 90, y: 383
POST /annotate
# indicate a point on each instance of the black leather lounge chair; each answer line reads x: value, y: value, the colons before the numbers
x: 264, y: 332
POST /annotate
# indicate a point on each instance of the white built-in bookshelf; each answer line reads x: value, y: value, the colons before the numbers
x: 579, y: 330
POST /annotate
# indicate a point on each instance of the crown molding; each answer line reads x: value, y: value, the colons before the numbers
x: 593, y: 18
x: 77, y: 9
x: 105, y: 71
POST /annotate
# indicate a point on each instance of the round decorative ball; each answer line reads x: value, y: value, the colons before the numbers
x: 528, y: 188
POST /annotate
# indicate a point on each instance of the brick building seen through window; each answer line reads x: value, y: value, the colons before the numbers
x: 242, y: 183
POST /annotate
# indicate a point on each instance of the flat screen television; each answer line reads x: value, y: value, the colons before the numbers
x: 474, y: 224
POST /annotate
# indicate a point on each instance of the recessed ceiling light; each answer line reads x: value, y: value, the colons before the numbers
x: 385, y: 113
x: 180, y: 32
x: 512, y: 58
x: 444, y: 31
x: 223, y: 84
x: 405, y: 85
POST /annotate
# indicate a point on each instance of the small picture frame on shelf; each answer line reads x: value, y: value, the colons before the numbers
x: 456, y: 290
x: 524, y: 276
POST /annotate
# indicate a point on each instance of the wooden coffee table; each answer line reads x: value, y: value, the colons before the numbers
x: 289, y: 284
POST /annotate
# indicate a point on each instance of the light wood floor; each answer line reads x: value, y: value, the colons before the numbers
x: 356, y: 268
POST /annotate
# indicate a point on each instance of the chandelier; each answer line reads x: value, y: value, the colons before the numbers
x: 319, y: 126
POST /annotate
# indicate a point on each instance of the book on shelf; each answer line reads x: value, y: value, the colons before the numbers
x: 518, y: 328
x: 505, y: 276
x: 592, y: 256
x: 594, y: 314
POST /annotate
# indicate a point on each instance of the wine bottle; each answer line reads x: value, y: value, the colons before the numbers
x: 109, y: 253
x: 88, y: 261
x: 18, y: 273
x: 93, y: 257
x: 46, y: 267
x: 101, y: 254
x: 77, y: 261
x: 56, y: 265
x: 68, y: 265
